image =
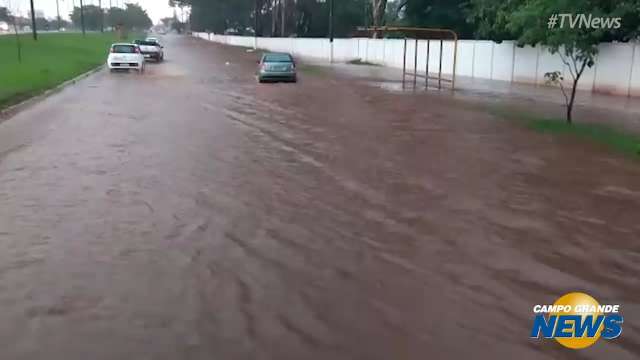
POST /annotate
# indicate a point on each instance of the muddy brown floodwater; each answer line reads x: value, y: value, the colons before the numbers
x: 189, y: 213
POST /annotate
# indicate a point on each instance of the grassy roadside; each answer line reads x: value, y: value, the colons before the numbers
x: 48, y: 62
x: 609, y: 136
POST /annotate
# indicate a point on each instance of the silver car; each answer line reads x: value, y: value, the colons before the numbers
x: 277, y: 67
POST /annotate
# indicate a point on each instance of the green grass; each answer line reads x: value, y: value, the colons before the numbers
x: 48, y: 62
x: 609, y: 136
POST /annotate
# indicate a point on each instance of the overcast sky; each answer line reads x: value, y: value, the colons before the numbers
x: 155, y: 8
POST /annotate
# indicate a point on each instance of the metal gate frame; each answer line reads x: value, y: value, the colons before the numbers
x: 421, y: 34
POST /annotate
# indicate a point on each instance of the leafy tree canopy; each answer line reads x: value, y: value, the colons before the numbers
x: 132, y: 16
x: 527, y: 21
x: 4, y: 14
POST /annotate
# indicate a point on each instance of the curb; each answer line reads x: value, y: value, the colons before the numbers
x: 7, y: 113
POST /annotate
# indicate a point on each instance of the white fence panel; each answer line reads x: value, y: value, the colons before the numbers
x: 502, y: 66
x: 634, y: 85
x: 526, y: 64
x: 483, y: 60
x: 345, y: 49
x: 548, y: 62
x: 614, y: 69
x: 464, y: 66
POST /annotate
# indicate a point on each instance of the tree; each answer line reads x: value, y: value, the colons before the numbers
x: 447, y: 14
x: 137, y: 17
x: 220, y: 15
x: 116, y: 17
x: 301, y: 17
x: 379, y: 10
x: 132, y: 16
x: 577, y: 47
x: 176, y: 24
x: 166, y: 21
x: 312, y: 18
x: 4, y: 14
x: 43, y: 24
x: 92, y: 17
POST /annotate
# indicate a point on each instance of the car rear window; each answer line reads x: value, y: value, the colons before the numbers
x: 124, y: 49
x: 146, y: 42
x: 277, y: 58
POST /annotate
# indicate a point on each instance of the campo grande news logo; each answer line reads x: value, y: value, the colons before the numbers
x: 576, y: 320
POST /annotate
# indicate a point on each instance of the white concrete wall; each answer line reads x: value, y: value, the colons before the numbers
x: 483, y: 59
x: 617, y: 69
x: 503, y: 58
x: 526, y: 65
x: 613, y: 75
x: 634, y: 83
x: 466, y: 58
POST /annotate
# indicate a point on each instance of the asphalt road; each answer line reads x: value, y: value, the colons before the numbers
x: 190, y: 213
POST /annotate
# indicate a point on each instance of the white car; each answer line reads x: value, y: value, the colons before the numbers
x: 125, y: 56
x: 151, y: 49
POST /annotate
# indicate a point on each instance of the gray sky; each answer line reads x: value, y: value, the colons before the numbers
x: 155, y: 8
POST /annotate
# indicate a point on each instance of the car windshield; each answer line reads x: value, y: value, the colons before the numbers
x: 282, y: 58
x: 124, y: 49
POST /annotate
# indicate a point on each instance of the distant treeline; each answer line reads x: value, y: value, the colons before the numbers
x: 493, y: 19
x: 132, y: 16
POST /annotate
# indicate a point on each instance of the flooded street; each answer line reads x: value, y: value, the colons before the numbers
x: 190, y: 213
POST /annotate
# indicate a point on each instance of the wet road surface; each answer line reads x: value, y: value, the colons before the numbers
x: 189, y: 213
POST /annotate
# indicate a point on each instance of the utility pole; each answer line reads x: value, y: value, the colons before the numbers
x: 101, y: 16
x: 81, y: 18
x: 58, y: 11
x: 274, y: 16
x: 331, y: 27
x: 33, y: 22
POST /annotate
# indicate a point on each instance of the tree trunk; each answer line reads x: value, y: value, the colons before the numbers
x: 571, y: 99
x: 256, y: 18
x: 284, y: 17
x: 379, y: 8
x: 573, y: 91
x: 274, y: 17
x: 377, y: 15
